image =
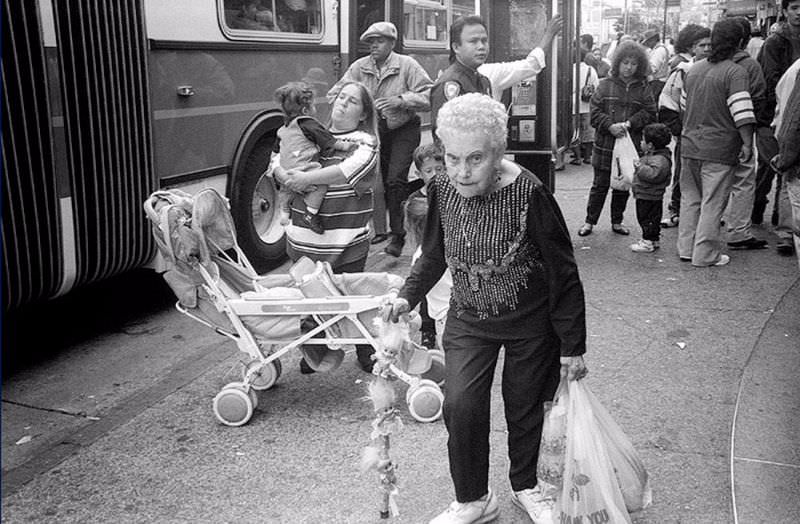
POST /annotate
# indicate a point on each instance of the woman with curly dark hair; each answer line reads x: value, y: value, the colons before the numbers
x: 623, y: 103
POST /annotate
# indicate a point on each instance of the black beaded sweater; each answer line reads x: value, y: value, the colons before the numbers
x: 511, y: 258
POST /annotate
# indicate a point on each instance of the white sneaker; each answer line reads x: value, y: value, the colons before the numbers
x: 723, y: 260
x: 538, y: 507
x: 475, y: 512
x: 644, y: 246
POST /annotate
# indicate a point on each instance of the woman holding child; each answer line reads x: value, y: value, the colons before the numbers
x: 515, y: 285
x: 346, y: 209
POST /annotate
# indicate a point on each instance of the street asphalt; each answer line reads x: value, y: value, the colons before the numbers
x: 698, y: 366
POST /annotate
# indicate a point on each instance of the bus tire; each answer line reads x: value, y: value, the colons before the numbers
x: 254, y: 210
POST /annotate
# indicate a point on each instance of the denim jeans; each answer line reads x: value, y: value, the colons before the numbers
x: 705, y: 189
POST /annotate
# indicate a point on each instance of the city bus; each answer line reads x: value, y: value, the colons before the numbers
x: 105, y: 102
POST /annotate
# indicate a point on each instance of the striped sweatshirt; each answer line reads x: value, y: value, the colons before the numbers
x: 716, y: 102
x: 345, y: 212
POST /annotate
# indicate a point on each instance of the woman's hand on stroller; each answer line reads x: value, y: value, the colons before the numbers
x: 394, y: 307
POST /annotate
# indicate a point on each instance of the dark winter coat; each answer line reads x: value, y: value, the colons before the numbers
x: 652, y: 175
x: 779, y: 52
x: 788, y: 162
x: 614, y: 102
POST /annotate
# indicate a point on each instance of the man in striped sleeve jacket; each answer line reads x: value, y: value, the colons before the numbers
x: 717, y: 135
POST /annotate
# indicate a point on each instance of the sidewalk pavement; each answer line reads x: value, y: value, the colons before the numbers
x: 698, y: 366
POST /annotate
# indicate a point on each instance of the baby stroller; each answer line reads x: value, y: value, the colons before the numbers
x: 309, y: 309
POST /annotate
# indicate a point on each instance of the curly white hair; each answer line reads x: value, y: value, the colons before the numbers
x: 474, y: 113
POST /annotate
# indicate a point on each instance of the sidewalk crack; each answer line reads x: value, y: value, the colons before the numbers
x: 79, y: 414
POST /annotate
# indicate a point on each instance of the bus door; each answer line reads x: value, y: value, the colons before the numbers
x: 540, y: 120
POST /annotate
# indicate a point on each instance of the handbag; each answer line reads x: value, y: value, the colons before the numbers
x: 588, y: 89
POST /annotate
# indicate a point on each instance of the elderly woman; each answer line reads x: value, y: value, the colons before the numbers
x: 623, y: 103
x: 515, y: 285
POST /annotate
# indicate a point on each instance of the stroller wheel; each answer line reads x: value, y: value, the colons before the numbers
x: 265, y: 377
x: 436, y: 371
x: 425, y: 401
x: 234, y: 405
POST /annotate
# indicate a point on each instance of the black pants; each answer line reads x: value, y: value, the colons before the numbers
x: 675, y: 199
x: 397, y: 154
x: 597, y: 197
x: 767, y: 148
x: 648, y: 213
x: 530, y: 378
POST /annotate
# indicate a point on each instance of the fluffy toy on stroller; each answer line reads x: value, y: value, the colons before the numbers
x: 309, y: 308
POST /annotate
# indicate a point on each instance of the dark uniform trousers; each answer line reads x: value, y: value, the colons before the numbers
x: 397, y: 153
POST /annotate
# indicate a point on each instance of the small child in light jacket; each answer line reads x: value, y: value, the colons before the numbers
x: 302, y: 140
x: 650, y: 181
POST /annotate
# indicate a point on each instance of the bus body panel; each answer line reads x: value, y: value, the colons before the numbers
x: 202, y: 131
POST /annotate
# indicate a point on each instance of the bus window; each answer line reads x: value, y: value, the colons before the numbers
x: 426, y: 21
x: 285, y: 16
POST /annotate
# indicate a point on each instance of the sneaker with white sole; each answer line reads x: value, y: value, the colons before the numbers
x: 476, y: 512
x: 644, y: 246
x: 538, y: 507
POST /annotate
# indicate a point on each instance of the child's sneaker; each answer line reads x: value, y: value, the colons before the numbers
x: 314, y: 222
x: 283, y: 217
x: 644, y: 246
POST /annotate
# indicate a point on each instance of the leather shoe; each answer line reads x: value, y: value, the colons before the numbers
x: 749, y: 243
x: 585, y: 230
x: 395, y: 247
x: 377, y: 239
x: 620, y: 229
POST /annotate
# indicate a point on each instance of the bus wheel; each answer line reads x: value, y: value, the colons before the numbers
x: 253, y: 206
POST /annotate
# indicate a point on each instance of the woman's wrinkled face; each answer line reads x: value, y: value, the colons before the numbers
x: 348, y: 109
x: 627, y: 68
x: 472, y: 164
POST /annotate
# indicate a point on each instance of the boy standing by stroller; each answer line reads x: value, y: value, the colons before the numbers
x: 649, y: 184
x: 429, y: 163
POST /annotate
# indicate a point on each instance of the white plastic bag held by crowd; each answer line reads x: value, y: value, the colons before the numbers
x: 591, y: 492
x: 623, y: 158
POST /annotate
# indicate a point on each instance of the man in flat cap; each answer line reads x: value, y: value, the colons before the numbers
x: 401, y: 88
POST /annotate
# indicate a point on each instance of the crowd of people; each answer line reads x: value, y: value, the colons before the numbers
x: 494, y: 263
x: 715, y: 89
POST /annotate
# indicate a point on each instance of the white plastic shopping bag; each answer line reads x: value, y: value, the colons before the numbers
x: 629, y: 468
x: 590, y: 491
x: 553, y: 446
x: 623, y: 159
